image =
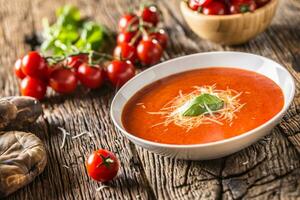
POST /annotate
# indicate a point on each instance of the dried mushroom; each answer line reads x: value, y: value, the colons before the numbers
x: 15, y: 112
x: 22, y: 158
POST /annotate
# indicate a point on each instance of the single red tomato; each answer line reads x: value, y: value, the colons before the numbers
x: 90, y: 76
x: 214, y: 8
x: 128, y: 23
x: 197, y: 4
x: 149, y: 52
x: 18, y: 69
x: 205, y: 2
x: 63, y: 81
x: 227, y: 4
x: 33, y: 87
x: 105, y: 75
x: 125, y: 51
x: 125, y: 37
x: 161, y: 36
x: 102, y: 165
x: 261, y: 3
x: 53, y: 68
x: 150, y: 14
x: 119, y: 72
x: 75, y: 61
x: 194, y: 4
x: 242, y: 6
x: 34, y: 65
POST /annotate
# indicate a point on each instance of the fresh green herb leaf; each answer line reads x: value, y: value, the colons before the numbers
x: 71, y: 34
x: 68, y: 16
x: 91, y: 37
x: 202, y: 104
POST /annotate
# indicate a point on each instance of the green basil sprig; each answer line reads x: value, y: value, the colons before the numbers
x: 71, y: 33
x: 200, y: 104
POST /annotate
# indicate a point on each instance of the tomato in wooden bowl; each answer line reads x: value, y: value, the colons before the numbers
x: 214, y: 24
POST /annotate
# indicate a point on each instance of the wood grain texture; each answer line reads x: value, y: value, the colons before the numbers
x: 269, y: 169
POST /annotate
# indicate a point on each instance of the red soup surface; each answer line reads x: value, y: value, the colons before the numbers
x: 261, y: 98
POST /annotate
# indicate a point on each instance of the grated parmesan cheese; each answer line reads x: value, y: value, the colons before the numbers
x: 101, y: 187
x: 65, y: 134
x: 172, y: 111
x: 81, y: 134
x: 66, y: 166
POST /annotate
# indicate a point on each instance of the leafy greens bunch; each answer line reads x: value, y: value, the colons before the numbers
x: 71, y: 34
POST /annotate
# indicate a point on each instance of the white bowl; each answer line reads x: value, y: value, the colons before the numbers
x: 217, y: 149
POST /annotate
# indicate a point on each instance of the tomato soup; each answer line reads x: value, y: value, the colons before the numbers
x: 254, y: 100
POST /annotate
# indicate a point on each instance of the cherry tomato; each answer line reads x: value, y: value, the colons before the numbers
x: 150, y: 14
x: 76, y: 61
x: 161, y: 36
x: 214, y: 8
x: 125, y: 51
x: 196, y: 4
x: 149, y: 52
x: 227, y: 4
x: 33, y: 87
x: 105, y: 75
x: 261, y: 3
x: 18, y: 69
x: 102, y: 165
x: 242, y: 6
x: 128, y: 23
x: 119, y: 72
x: 34, y: 65
x: 128, y: 37
x: 53, y: 68
x: 125, y: 37
x: 205, y: 2
x: 90, y: 76
x: 63, y: 81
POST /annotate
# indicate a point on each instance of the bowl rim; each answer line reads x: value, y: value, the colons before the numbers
x: 230, y: 16
x: 285, y: 107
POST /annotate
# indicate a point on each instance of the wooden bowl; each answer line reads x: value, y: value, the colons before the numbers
x: 230, y: 29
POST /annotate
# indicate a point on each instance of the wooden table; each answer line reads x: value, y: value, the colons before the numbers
x: 269, y: 169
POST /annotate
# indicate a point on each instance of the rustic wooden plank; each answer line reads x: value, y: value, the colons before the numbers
x: 278, y: 43
x: 12, y: 34
x: 93, y: 115
x: 268, y: 169
x: 65, y: 176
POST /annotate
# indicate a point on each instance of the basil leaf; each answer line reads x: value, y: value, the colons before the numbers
x: 72, y: 34
x: 68, y: 16
x: 200, y: 104
x: 91, y: 37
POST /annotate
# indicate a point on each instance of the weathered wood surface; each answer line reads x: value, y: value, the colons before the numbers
x: 269, y: 169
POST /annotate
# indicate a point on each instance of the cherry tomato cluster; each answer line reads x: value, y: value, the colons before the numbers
x: 225, y: 7
x: 139, y: 39
x: 37, y: 74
